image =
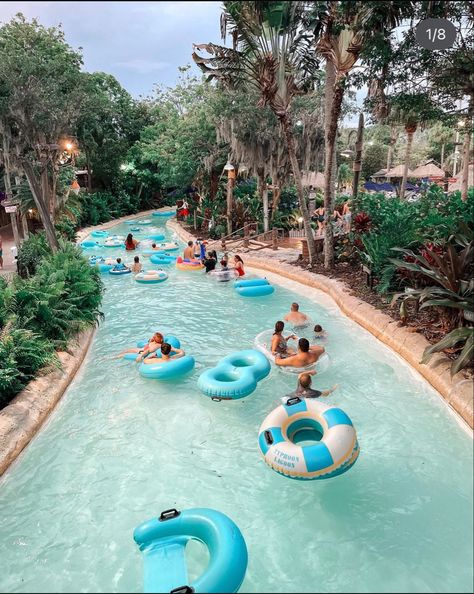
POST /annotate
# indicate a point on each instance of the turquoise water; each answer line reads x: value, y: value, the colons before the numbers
x: 119, y: 449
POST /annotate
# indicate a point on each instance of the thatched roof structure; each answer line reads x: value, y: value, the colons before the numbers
x: 427, y: 170
x: 397, y: 172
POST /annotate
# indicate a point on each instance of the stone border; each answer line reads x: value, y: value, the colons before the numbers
x: 457, y: 391
x: 23, y: 417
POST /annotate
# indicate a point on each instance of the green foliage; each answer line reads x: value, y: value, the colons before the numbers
x: 100, y: 207
x: 374, y: 158
x: 109, y: 123
x: 59, y: 296
x: 66, y: 228
x: 217, y: 231
x: 22, y: 354
x: 30, y: 254
x: 392, y: 226
x: 61, y: 299
x: 460, y: 336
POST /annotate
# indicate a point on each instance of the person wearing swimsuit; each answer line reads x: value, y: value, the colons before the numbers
x: 239, y: 265
x: 279, y: 342
x: 320, y: 214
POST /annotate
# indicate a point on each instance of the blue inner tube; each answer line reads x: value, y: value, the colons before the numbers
x: 115, y: 243
x: 162, y: 542
x: 100, y: 234
x: 104, y: 267
x: 257, y: 291
x: 253, y: 282
x: 172, y: 369
x: 135, y: 229
x: 156, y: 237
x: 89, y: 244
x: 165, y: 213
x: 162, y: 258
x: 235, y: 376
x: 119, y: 272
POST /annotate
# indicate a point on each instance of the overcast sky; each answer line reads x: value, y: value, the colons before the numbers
x: 140, y: 43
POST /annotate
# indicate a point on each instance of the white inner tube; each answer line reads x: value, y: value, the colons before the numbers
x: 263, y: 343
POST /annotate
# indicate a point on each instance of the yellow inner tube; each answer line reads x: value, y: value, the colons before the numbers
x: 189, y: 266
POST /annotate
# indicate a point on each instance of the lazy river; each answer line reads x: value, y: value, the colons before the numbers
x: 119, y: 449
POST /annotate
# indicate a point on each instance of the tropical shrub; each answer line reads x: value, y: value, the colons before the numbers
x: 30, y: 254
x: 22, y: 354
x: 61, y: 299
x: 450, y: 291
x: 66, y: 228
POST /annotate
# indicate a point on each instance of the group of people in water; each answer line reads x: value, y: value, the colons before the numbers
x: 196, y: 251
x: 305, y: 355
x: 157, y: 351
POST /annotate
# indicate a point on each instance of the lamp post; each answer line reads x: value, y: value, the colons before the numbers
x: 230, y: 194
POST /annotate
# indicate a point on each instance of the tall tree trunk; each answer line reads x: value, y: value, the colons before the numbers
x: 13, y: 215
x: 391, y: 146
x: 89, y: 172
x: 357, y: 165
x: 24, y: 225
x: 442, y: 155
x: 334, y: 94
x: 276, y: 200
x: 41, y: 205
x: 290, y: 145
x: 410, y: 133
x: 23, y: 216
x: 45, y: 189
x: 263, y: 193
x: 465, y: 166
x: 213, y: 184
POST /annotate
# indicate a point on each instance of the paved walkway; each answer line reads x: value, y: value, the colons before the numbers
x: 9, y: 265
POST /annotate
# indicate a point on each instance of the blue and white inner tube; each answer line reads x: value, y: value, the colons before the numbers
x: 284, y: 435
x: 120, y: 271
x: 144, y: 222
x: 171, y: 369
x: 112, y: 243
x: 163, y: 540
x: 263, y: 342
x: 151, y: 277
x: 162, y: 258
x: 235, y: 376
x: 99, y: 234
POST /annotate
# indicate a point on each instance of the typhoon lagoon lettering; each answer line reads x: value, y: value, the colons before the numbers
x: 285, y: 459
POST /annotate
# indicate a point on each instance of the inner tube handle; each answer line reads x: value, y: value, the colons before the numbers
x: 183, y: 590
x: 268, y: 437
x: 169, y: 514
x: 292, y: 401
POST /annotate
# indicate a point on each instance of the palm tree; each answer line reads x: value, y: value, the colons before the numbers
x: 271, y: 52
x: 347, y: 29
x: 411, y: 110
